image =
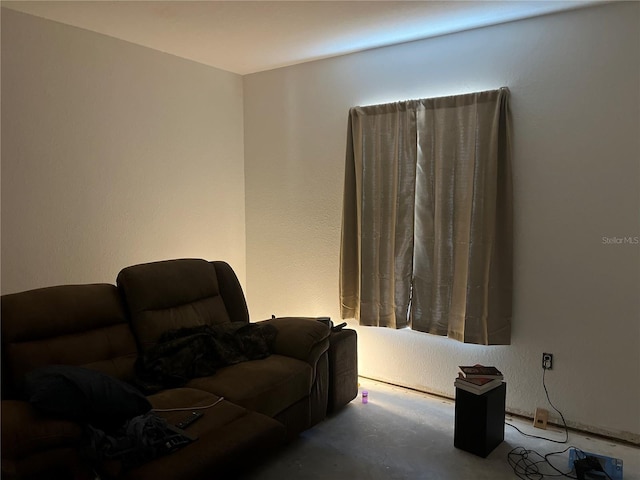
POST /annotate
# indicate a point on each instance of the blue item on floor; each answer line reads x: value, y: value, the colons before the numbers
x: 612, y: 467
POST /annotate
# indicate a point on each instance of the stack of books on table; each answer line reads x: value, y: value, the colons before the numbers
x: 478, y: 379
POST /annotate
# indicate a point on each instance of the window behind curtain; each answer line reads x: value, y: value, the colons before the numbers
x: 427, y: 219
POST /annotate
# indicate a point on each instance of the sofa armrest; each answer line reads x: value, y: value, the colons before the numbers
x: 25, y: 430
x: 300, y: 337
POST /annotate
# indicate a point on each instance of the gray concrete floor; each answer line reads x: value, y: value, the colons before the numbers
x: 403, y: 434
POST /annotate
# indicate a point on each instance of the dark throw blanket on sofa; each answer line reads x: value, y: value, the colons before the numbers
x: 136, y: 442
x: 186, y: 353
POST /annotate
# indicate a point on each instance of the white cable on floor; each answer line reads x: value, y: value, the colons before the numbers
x: 180, y: 409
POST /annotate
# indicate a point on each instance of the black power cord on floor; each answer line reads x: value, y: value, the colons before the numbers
x: 527, y: 464
x: 564, y: 423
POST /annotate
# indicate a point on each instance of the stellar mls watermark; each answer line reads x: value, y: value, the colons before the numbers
x: 629, y: 240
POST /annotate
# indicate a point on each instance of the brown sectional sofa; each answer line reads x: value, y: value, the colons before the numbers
x: 107, y: 327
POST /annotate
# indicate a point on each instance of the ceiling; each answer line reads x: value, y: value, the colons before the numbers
x: 251, y: 36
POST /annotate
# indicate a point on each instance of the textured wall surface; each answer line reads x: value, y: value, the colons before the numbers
x: 575, y: 104
x: 113, y: 154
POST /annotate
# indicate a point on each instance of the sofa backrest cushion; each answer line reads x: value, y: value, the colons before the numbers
x: 81, y: 325
x: 231, y: 292
x: 173, y: 294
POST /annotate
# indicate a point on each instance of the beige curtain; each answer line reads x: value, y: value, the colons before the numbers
x: 427, y: 220
x: 377, y: 251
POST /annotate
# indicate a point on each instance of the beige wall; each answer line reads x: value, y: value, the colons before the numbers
x: 113, y: 154
x: 575, y: 102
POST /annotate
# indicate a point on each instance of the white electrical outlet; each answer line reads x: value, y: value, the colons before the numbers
x: 547, y: 361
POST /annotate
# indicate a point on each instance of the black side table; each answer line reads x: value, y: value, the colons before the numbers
x: 479, y: 425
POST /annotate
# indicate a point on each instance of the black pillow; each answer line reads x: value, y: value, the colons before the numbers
x: 84, y: 395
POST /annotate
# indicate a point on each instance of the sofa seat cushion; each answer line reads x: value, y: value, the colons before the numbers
x: 189, y: 399
x: 51, y: 463
x: 25, y: 430
x: 229, y: 437
x: 267, y: 386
